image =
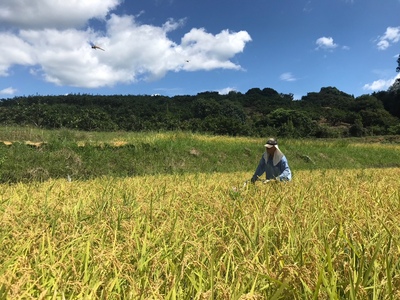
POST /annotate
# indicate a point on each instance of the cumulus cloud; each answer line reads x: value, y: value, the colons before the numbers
x: 53, y: 13
x: 226, y: 90
x: 325, y: 43
x: 14, y: 50
x: 8, y: 91
x: 391, y: 36
x: 287, y: 77
x: 380, y: 84
x: 133, y: 51
x: 207, y: 51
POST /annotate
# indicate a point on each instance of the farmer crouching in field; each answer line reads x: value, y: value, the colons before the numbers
x: 273, y: 163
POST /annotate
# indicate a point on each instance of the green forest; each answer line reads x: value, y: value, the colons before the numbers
x: 329, y: 113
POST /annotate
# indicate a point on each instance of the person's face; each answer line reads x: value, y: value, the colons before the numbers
x: 271, y: 150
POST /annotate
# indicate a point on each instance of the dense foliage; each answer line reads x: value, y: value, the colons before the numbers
x: 258, y: 112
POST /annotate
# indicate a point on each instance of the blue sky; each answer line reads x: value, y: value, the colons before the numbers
x: 183, y: 47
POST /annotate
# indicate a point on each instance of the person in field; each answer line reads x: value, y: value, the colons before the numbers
x: 273, y: 163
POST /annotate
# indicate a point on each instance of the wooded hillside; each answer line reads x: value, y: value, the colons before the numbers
x: 258, y: 112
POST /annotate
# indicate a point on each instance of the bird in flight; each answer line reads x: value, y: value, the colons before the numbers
x: 96, y: 47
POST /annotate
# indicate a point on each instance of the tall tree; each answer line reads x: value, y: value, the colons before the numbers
x: 398, y: 64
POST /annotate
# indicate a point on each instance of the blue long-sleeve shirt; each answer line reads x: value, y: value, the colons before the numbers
x: 281, y: 171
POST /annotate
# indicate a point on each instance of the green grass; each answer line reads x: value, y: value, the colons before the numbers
x: 85, y: 155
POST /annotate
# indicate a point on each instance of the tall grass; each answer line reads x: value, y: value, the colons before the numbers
x: 328, y: 234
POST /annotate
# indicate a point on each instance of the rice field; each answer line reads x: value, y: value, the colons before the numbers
x: 328, y: 234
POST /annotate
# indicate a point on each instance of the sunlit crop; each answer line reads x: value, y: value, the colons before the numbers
x: 325, y: 235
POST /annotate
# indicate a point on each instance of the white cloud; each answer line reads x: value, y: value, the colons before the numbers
x: 391, y: 36
x: 380, y: 84
x: 297, y: 97
x: 8, y: 91
x: 53, y: 13
x: 287, y: 77
x: 207, y: 51
x: 325, y: 43
x: 226, y: 90
x: 133, y: 51
x: 14, y: 50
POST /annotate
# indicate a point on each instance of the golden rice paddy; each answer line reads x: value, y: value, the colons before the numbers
x: 325, y: 235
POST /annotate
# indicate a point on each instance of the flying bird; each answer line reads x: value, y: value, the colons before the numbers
x: 96, y: 47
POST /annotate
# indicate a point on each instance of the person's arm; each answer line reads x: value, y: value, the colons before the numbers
x: 286, y: 173
x: 260, y: 170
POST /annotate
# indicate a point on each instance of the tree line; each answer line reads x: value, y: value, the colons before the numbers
x: 258, y: 112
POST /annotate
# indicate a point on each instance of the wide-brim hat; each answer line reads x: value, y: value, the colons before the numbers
x: 271, y: 143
